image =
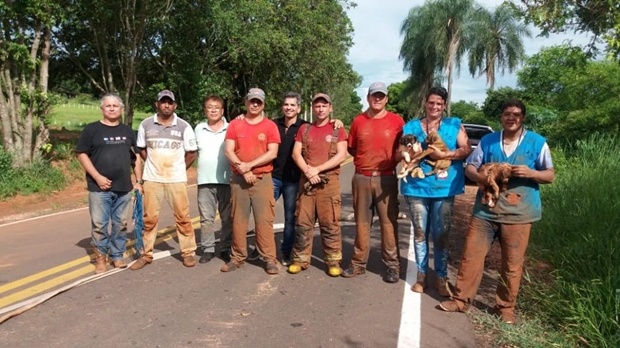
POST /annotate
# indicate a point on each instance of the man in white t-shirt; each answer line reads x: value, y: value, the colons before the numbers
x: 168, y: 146
x: 213, y: 180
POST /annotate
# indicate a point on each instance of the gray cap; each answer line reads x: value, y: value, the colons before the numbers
x: 322, y: 96
x: 256, y: 93
x: 377, y: 87
x: 165, y: 93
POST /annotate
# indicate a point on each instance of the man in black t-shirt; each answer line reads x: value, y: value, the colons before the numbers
x: 106, y: 152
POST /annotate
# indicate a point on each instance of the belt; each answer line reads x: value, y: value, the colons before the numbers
x: 375, y: 172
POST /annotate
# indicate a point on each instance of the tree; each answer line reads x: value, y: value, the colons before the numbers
x: 25, y: 47
x: 545, y: 74
x: 396, y: 100
x: 104, y: 41
x: 492, y: 106
x: 599, y: 17
x: 463, y: 108
x: 433, y: 42
x: 496, y: 43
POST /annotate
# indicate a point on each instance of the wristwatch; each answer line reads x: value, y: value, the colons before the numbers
x: 141, y: 182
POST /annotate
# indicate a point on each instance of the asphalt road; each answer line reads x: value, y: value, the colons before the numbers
x: 168, y: 305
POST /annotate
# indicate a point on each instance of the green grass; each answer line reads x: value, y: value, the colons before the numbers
x: 579, y: 237
x: 74, y: 115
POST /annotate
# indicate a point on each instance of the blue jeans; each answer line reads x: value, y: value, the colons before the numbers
x: 288, y: 190
x: 105, y: 207
x: 431, y: 217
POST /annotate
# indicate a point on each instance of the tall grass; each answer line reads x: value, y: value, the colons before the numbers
x: 579, y: 236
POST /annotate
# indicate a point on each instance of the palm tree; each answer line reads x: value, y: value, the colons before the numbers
x: 432, y: 44
x: 496, y: 43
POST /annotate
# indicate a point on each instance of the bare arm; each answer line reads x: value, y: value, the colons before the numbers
x: 545, y: 176
x: 298, y: 158
x: 270, y: 155
x: 229, y: 151
x: 137, y: 171
x: 103, y: 182
x: 143, y: 154
x: 472, y: 173
x: 190, y: 156
x: 338, y: 158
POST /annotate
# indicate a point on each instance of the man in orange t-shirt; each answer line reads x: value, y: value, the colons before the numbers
x: 373, y: 143
x: 251, y: 146
x: 318, y: 152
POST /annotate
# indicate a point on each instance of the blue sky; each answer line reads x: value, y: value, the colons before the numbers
x: 377, y: 45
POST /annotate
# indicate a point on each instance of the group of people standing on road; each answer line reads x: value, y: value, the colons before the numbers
x: 245, y: 166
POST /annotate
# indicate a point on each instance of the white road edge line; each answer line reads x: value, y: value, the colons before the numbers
x: 410, y: 319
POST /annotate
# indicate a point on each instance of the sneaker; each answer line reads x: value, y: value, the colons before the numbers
x: 230, y: 266
x: 141, y: 262
x: 391, y: 276
x: 287, y: 259
x: 119, y: 263
x: 443, y: 287
x: 420, y: 283
x: 206, y: 257
x: 353, y: 271
x: 189, y: 261
x: 453, y: 306
x: 271, y: 267
x: 254, y: 255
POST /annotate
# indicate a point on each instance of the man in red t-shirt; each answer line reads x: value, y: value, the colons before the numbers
x: 251, y: 146
x: 318, y: 152
x: 373, y: 143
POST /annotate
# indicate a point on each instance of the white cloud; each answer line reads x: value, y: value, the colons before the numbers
x: 377, y: 43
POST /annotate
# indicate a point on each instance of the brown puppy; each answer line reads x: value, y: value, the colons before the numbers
x: 438, y: 165
x: 409, y: 147
x: 495, y: 173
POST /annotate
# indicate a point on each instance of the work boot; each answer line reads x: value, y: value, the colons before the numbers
x: 189, y: 261
x: 420, y: 283
x: 453, y: 306
x: 271, y: 267
x: 334, y: 270
x: 296, y: 268
x: 443, y: 287
x: 353, y: 271
x: 206, y: 257
x: 230, y: 266
x: 119, y: 263
x: 100, y: 262
x: 391, y: 276
x: 141, y: 262
x: 507, y: 315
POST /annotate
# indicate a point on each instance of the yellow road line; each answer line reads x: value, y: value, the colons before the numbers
x: 70, y: 264
x: 54, y: 282
x: 165, y: 235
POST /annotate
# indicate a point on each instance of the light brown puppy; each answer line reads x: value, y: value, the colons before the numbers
x: 495, y: 173
x: 438, y: 165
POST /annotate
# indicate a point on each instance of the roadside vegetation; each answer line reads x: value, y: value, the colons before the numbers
x: 570, y: 293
